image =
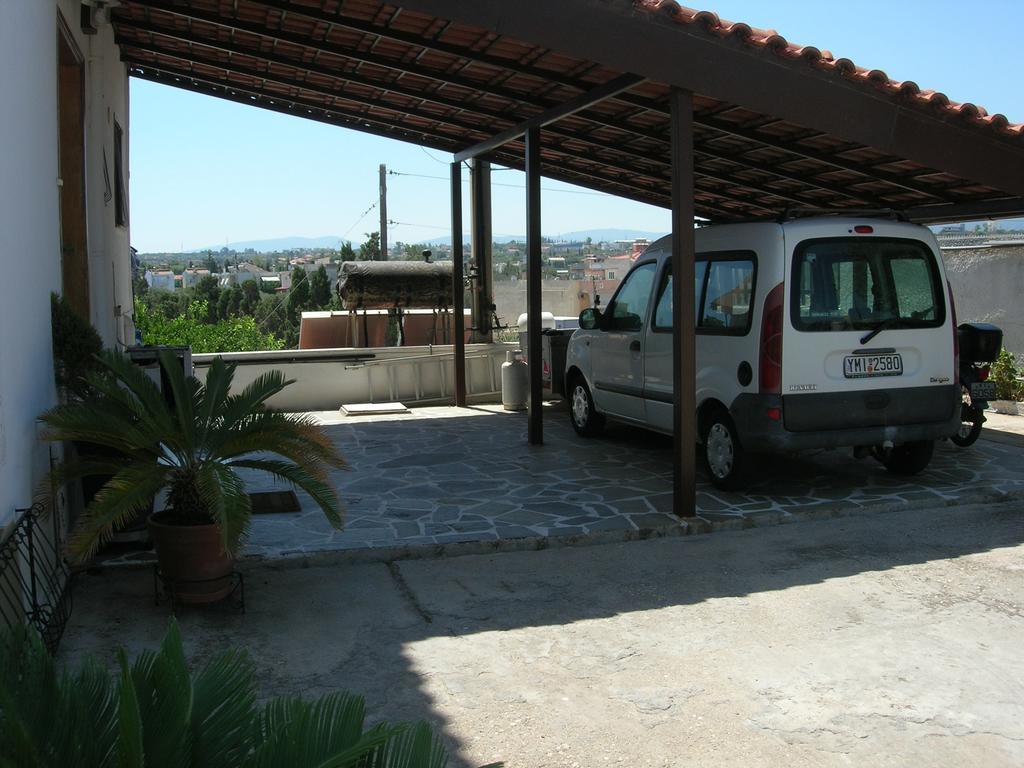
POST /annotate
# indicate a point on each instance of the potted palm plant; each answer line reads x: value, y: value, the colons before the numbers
x: 192, y: 446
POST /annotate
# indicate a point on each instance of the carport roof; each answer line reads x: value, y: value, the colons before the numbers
x: 776, y: 126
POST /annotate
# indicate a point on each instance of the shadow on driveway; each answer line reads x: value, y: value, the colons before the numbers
x: 458, y: 642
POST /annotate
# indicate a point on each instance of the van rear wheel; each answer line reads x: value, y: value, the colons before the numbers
x: 909, y: 458
x: 724, y: 458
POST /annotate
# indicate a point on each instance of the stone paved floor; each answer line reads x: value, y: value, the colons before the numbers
x: 444, y: 475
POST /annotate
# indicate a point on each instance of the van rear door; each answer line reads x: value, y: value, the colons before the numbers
x: 867, y: 338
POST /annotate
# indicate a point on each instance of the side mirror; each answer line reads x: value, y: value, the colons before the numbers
x: 590, y: 318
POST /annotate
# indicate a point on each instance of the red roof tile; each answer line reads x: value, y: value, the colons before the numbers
x: 771, y: 40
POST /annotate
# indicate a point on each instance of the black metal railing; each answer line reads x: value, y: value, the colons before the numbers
x: 35, y: 581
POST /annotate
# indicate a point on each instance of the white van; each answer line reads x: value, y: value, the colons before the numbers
x: 819, y: 332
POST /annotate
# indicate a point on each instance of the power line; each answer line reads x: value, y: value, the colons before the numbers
x: 356, y: 223
x: 425, y: 152
x: 409, y: 224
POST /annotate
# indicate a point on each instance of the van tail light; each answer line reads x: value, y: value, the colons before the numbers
x: 956, y: 336
x: 983, y: 373
x: 770, y: 359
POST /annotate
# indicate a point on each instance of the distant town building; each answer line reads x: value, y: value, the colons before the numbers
x: 160, y: 279
x: 192, y: 276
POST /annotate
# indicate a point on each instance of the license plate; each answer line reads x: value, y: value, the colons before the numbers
x: 983, y: 390
x: 869, y: 366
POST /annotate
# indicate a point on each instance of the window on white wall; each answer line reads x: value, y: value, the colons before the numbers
x: 120, y: 189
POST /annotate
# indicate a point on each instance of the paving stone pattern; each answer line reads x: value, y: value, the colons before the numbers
x: 445, y: 475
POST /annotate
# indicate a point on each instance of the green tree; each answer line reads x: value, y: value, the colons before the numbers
x: 319, y: 288
x: 211, y: 263
x: 235, y: 300
x: 250, y: 297
x: 190, y: 328
x: 167, y: 303
x: 298, y: 296
x: 370, y: 250
x: 271, y: 316
x: 224, y: 306
x: 139, y: 286
x: 347, y: 253
x: 412, y: 251
x: 208, y: 290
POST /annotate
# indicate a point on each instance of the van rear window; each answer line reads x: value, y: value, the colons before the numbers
x: 856, y: 283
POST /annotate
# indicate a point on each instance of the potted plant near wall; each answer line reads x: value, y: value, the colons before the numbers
x: 192, y: 446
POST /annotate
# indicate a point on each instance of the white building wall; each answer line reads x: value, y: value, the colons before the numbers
x: 29, y: 240
x: 30, y: 223
x: 987, y: 286
x: 106, y: 101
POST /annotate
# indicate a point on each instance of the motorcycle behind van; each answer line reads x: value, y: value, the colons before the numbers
x: 979, y: 346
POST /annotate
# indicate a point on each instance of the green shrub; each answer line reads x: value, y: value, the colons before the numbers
x: 75, y: 347
x: 234, y: 334
x: 158, y: 713
x: 1004, y: 373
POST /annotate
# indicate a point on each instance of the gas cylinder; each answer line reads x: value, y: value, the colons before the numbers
x: 515, y: 381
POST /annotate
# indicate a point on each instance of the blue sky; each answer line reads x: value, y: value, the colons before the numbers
x: 206, y: 171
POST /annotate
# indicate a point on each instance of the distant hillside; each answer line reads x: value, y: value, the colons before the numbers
x: 277, y: 244
x: 334, y: 241
x: 597, y: 235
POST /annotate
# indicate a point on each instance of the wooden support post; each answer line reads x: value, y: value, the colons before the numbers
x: 684, y: 417
x: 533, y: 285
x: 458, y: 288
x: 383, y: 212
x: 482, y: 291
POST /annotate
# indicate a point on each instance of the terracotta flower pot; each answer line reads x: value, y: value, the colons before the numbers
x: 192, y: 563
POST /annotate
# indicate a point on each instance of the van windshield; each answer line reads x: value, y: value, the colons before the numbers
x: 858, y: 283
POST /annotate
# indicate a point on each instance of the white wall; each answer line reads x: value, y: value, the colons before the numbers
x: 988, y: 284
x: 29, y: 240
x: 106, y: 100
x: 30, y: 222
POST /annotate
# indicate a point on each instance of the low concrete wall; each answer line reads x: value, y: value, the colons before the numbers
x: 328, y: 378
x: 562, y: 298
x: 988, y: 286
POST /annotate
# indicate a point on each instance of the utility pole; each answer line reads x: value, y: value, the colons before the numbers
x: 383, y: 212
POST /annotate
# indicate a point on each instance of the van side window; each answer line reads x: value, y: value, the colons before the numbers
x: 629, y: 307
x: 663, y: 310
x: 727, y: 297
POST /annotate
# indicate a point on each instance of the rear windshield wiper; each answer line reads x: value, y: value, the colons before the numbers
x: 877, y: 329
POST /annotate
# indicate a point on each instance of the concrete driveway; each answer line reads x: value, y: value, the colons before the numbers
x: 880, y: 639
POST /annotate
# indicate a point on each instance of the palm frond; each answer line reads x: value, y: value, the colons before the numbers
x: 130, y: 742
x: 298, y: 438
x: 237, y: 408
x: 101, y: 422
x: 162, y: 717
x: 223, y: 711
x: 28, y: 694
x: 319, y: 490
x: 163, y: 690
x: 185, y: 392
x: 214, y: 394
x: 132, y: 387
x: 229, y: 504
x: 126, y: 495
x: 328, y: 731
x: 90, y: 715
x: 416, y: 746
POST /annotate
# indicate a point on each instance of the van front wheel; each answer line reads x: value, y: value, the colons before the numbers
x: 723, y: 456
x: 907, y: 459
x: 585, y: 419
